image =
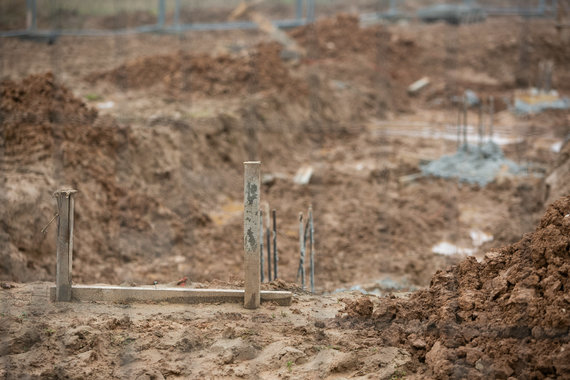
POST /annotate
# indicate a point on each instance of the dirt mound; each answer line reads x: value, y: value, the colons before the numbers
x: 207, y: 75
x: 340, y: 35
x: 506, y: 316
x: 52, y: 139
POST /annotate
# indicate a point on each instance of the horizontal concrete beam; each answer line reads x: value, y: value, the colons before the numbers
x: 144, y: 294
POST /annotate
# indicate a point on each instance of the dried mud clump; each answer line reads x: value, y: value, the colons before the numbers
x: 506, y: 316
x: 360, y: 307
x: 207, y: 75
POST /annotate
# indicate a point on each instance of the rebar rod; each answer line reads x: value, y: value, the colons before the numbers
x: 268, y: 236
x: 465, y: 124
x: 275, y: 257
x: 480, y: 124
x: 311, y: 249
x: 261, y: 252
x: 301, y: 270
x: 491, y: 116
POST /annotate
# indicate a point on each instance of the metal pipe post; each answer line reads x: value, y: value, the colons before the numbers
x: 161, y: 13
x: 275, y: 257
x: 177, y: 14
x: 299, y: 10
x: 268, y: 233
x: 261, y: 252
x: 458, y: 126
x: 480, y: 123
x: 310, y: 10
x: 65, y: 207
x: 302, y: 251
x: 251, y: 224
x: 311, y: 248
x: 465, y: 124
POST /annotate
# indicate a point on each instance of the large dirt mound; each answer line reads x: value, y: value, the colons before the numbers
x: 207, y: 75
x: 506, y: 316
x: 52, y: 139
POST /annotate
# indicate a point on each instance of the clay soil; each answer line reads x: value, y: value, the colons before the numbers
x: 153, y: 130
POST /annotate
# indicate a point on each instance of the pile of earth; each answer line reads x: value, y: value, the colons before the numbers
x: 260, y: 70
x: 340, y: 36
x: 505, y: 316
x: 50, y: 140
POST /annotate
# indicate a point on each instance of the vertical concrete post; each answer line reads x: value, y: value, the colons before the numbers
x: 251, y: 225
x: 65, y: 207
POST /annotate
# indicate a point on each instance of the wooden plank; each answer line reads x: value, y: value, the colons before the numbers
x: 150, y: 294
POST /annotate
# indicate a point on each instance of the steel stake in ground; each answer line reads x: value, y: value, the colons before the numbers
x: 480, y: 123
x: 251, y: 224
x: 268, y: 233
x: 261, y: 252
x: 491, y: 116
x: 311, y: 248
x: 65, y: 207
x: 301, y: 270
x: 465, y: 123
x: 275, y: 257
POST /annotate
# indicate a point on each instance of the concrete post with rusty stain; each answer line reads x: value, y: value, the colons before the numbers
x: 65, y: 207
x: 251, y: 224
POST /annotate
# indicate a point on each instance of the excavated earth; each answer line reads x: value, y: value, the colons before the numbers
x: 154, y: 136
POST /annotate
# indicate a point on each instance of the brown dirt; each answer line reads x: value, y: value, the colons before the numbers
x: 160, y: 181
x: 53, y: 139
x: 505, y: 316
x: 223, y: 75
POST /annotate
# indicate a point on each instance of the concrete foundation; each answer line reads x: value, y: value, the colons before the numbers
x: 149, y: 294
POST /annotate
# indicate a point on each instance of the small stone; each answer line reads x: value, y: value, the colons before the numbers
x: 320, y: 324
x: 419, y: 343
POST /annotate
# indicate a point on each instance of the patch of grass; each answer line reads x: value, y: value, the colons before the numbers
x: 50, y: 331
x: 290, y: 365
x: 93, y: 97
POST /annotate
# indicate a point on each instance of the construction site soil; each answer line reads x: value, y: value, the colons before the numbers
x: 154, y: 140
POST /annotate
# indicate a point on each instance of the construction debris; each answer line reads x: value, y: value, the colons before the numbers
x: 418, y: 85
x: 473, y: 164
x: 303, y: 175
